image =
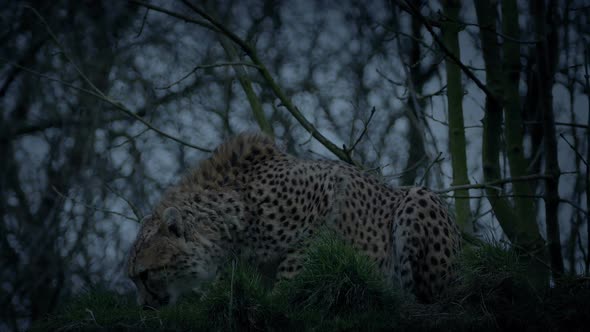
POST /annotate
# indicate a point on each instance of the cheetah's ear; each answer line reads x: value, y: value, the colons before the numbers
x: 173, y: 220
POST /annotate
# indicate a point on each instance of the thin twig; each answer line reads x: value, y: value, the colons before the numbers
x: 574, y: 205
x: 64, y: 53
x: 147, y: 10
x: 407, y: 35
x: 408, y: 9
x: 97, y: 92
x: 285, y: 101
x: 171, y: 13
x: 416, y: 13
x: 407, y: 170
x: 533, y: 255
x: 214, y: 65
x: 119, y: 106
x: 390, y: 80
x: 574, y: 149
x: 481, y: 215
x: 95, y: 208
x: 134, y: 208
x: 512, y: 39
x: 436, y: 160
x: 532, y: 177
x: 366, y: 125
x: 431, y: 117
x: 569, y: 124
x: 577, y: 125
x: 217, y: 26
x: 129, y: 138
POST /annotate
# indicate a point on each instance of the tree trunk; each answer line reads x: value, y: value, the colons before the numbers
x: 546, y: 73
x: 457, y: 143
x: 523, y: 233
x: 246, y: 84
x: 513, y: 130
x: 416, y: 134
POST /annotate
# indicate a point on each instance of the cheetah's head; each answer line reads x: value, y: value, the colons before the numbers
x: 175, y: 252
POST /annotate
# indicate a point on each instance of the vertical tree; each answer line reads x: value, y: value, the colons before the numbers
x: 45, y: 238
x: 546, y: 66
x: 523, y: 233
x: 415, y: 81
x: 513, y: 129
x: 457, y: 144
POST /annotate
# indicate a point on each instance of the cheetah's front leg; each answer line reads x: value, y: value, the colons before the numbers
x: 291, y: 265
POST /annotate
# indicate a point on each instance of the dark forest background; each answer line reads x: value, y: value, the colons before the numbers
x: 103, y: 104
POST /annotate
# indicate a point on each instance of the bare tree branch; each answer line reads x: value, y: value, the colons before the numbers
x: 575, y: 151
x: 285, y: 101
x: 214, y: 65
x: 494, y: 184
x: 416, y: 13
x: 366, y: 125
x: 119, y: 106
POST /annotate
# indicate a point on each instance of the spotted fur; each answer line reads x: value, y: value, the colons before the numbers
x: 252, y: 199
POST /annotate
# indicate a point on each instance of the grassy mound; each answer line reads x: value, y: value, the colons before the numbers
x: 339, y: 290
x: 240, y: 301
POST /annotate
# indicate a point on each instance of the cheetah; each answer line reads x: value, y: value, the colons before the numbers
x: 252, y: 199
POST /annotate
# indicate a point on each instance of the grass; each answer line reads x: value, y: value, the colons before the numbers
x: 339, y: 290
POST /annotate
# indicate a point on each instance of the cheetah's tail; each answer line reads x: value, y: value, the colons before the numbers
x: 408, y: 273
